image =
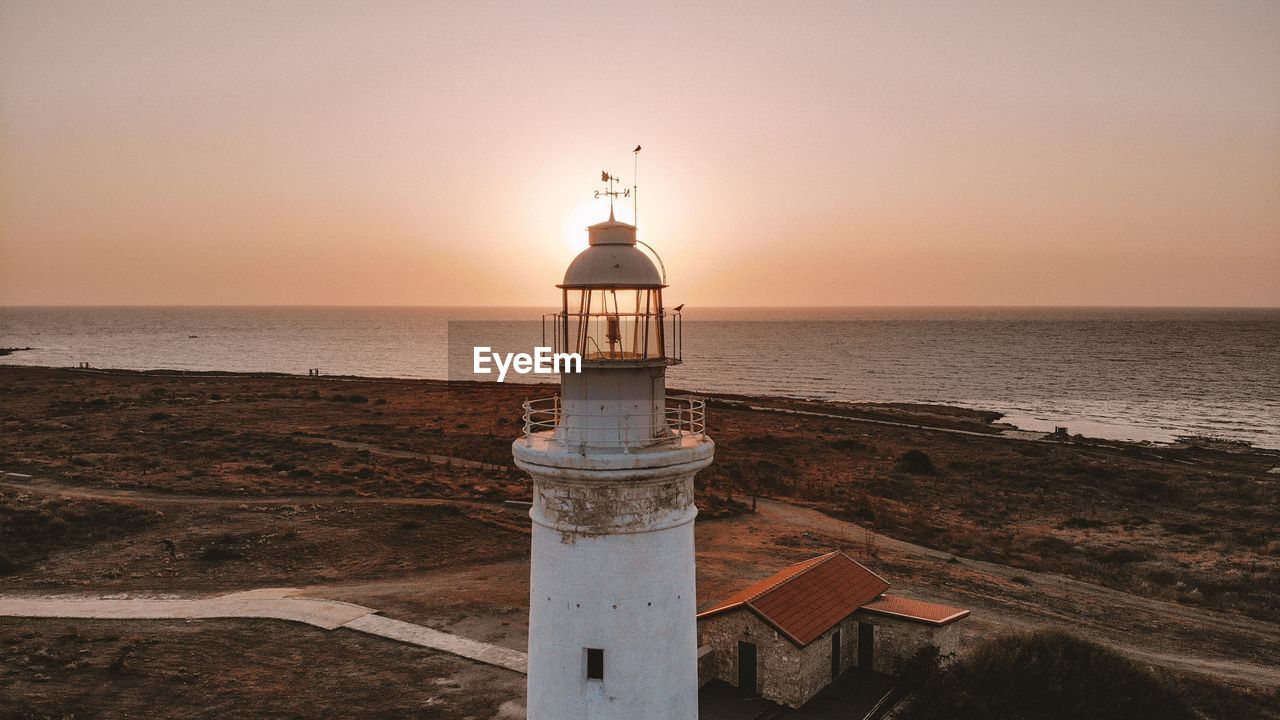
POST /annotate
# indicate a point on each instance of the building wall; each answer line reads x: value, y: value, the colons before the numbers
x: 897, y: 640
x: 612, y: 405
x: 791, y: 675
x: 786, y: 674
x: 706, y: 663
x: 631, y: 595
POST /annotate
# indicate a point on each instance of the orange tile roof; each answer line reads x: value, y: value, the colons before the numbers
x: 916, y: 610
x: 807, y: 599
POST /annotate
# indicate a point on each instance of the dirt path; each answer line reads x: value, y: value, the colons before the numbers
x: 46, y: 486
x: 405, y: 454
x: 1090, y: 610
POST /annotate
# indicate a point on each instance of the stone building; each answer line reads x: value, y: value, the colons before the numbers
x: 789, y: 635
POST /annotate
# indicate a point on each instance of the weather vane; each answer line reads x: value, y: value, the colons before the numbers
x: 627, y: 192
x: 608, y: 177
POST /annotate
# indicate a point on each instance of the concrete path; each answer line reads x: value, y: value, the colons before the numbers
x: 426, y: 637
x: 273, y: 603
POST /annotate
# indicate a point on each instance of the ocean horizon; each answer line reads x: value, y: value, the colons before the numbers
x: 1125, y: 373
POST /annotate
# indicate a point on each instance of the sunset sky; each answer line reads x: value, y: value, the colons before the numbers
x: 1020, y: 153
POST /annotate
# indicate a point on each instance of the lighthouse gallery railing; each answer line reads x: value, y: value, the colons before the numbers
x: 685, y: 416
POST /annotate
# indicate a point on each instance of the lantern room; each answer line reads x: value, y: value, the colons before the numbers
x: 611, y: 310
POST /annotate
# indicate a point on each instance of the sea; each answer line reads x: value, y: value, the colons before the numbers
x: 1144, y: 374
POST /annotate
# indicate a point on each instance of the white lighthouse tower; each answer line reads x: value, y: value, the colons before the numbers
x: 612, y: 629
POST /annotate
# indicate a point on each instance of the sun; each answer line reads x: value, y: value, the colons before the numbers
x: 587, y: 212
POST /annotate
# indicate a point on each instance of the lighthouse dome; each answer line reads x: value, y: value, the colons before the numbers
x: 612, y: 260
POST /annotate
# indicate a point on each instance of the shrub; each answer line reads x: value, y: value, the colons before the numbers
x: 915, y: 462
x: 1123, y: 555
x: 1149, y: 488
x: 1079, y: 523
x: 222, y: 548
x: 1046, y: 675
x: 218, y: 553
x: 1050, y: 545
x: 922, y: 668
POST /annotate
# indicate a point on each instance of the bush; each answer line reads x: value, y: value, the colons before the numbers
x: 1184, y: 528
x: 915, y: 462
x: 918, y: 671
x: 223, y: 548
x: 1050, y: 545
x: 1046, y: 675
x: 219, y: 553
x: 847, y: 445
x: 1123, y: 555
x: 1079, y: 523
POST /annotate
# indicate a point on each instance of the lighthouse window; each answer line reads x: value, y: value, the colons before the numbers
x: 595, y: 663
x: 612, y: 324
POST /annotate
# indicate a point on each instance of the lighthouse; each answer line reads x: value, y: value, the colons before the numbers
x: 612, y: 605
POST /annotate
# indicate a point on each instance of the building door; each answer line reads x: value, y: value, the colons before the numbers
x: 835, y: 654
x: 747, y: 667
x: 866, y: 645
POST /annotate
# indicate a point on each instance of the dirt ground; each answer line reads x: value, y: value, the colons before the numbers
x: 66, y: 670
x: 391, y: 494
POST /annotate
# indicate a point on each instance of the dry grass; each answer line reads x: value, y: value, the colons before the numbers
x: 56, y: 669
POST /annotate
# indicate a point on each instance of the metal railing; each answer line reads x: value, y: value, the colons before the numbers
x: 582, y: 333
x: 683, y: 417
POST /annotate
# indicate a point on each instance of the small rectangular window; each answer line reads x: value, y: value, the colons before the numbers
x: 595, y: 664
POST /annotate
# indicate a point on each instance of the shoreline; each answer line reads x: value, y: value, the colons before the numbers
x: 997, y: 423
